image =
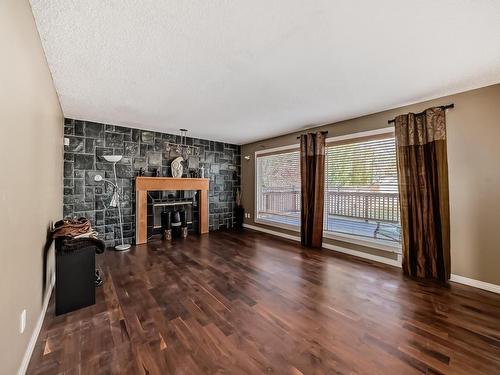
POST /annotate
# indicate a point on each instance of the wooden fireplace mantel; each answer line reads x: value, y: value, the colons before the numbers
x: 145, y: 184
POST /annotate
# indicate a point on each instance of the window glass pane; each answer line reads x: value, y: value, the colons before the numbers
x: 361, y: 191
x: 278, y: 188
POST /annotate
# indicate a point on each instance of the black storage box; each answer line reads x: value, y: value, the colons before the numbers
x: 75, y: 278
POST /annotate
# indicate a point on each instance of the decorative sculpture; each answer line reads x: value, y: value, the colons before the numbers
x: 176, y: 167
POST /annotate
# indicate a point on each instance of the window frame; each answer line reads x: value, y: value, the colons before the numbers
x: 377, y: 244
x: 275, y: 150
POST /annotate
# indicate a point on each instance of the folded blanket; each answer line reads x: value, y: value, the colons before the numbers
x: 70, y: 244
x: 71, y: 227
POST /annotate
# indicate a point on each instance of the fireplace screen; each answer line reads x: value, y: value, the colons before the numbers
x: 159, y: 207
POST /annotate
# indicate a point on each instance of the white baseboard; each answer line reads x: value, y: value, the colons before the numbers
x: 356, y: 253
x: 475, y: 283
x: 397, y: 263
x: 36, y: 330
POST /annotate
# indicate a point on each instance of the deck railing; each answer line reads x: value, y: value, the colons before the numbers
x: 279, y: 202
x: 374, y: 206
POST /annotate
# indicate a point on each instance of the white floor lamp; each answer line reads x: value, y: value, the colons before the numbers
x: 115, y: 200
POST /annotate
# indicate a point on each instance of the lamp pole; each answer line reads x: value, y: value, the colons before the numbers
x: 123, y: 247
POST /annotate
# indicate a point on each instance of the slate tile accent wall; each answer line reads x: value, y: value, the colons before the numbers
x: 83, y: 159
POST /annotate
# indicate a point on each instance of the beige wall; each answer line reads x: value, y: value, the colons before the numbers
x: 31, y: 154
x: 474, y: 175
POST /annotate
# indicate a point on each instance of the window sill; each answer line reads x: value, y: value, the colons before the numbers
x: 389, y: 246
x: 278, y: 225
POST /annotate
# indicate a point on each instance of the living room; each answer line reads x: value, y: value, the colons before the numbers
x: 250, y: 187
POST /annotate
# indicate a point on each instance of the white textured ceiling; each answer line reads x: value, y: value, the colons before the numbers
x: 243, y: 70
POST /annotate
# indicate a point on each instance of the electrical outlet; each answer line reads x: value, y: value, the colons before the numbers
x: 22, y: 321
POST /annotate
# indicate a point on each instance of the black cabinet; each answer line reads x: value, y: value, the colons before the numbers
x: 75, y: 279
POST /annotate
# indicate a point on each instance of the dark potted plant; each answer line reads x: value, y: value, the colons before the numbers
x: 239, y: 211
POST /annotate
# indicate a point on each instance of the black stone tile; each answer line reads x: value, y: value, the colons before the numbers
x: 140, y: 162
x: 67, y: 210
x: 78, y: 186
x: 79, y: 174
x: 94, y: 129
x: 78, y: 128
x: 68, y: 169
x: 124, y: 171
x: 123, y: 130
x: 154, y: 159
x: 86, y: 206
x: 89, y: 145
x: 73, y: 199
x: 136, y: 134
x: 111, y: 220
x: 114, y: 139
x: 99, y: 218
x: 147, y: 137
x: 89, y: 194
x: 84, y: 161
x: 99, y: 203
x: 76, y: 144
x: 219, y: 147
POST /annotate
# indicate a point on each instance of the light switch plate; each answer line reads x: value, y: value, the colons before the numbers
x: 22, y: 321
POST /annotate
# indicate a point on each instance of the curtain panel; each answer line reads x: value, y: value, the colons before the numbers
x: 423, y: 190
x: 312, y: 172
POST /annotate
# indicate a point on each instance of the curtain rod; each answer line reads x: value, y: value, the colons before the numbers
x: 323, y: 132
x: 447, y: 106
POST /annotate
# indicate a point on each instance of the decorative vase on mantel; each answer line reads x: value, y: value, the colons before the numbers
x: 176, y: 167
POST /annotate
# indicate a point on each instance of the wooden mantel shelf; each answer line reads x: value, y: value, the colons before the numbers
x: 145, y: 184
x: 170, y: 183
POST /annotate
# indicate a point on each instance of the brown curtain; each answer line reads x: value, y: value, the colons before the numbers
x: 312, y: 172
x: 423, y: 191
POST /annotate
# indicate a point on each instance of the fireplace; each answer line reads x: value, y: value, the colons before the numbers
x: 162, y: 201
x: 163, y: 190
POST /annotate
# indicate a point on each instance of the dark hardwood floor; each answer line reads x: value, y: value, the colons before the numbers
x: 249, y: 303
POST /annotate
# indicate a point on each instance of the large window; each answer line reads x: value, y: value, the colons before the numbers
x: 278, y: 189
x: 361, y: 190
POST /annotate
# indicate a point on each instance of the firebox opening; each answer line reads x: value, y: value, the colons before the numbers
x: 162, y: 201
